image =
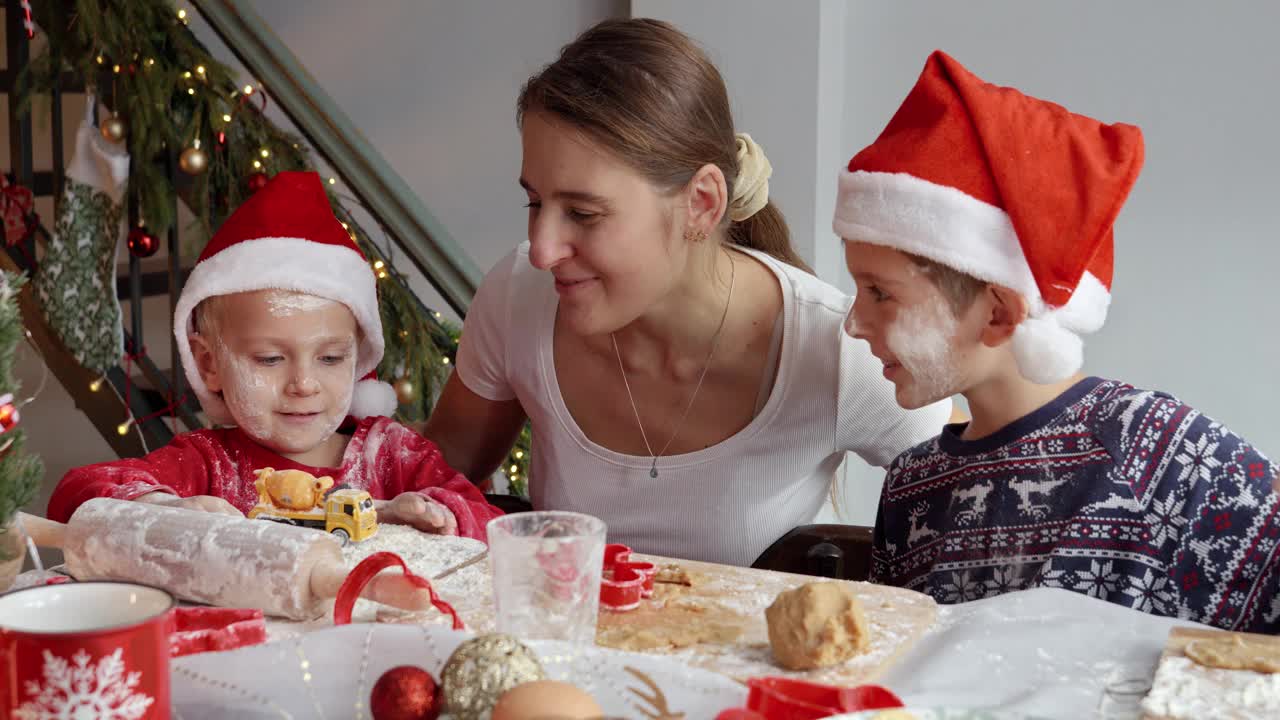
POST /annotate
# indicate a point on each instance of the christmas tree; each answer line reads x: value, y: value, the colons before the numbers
x: 20, y: 473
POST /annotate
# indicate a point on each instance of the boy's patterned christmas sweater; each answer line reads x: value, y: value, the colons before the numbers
x: 1123, y: 494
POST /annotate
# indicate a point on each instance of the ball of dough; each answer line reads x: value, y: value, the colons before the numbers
x: 816, y: 625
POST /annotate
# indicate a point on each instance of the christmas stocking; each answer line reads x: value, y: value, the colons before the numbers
x: 76, y: 282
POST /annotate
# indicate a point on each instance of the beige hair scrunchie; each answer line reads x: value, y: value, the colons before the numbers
x: 751, y: 189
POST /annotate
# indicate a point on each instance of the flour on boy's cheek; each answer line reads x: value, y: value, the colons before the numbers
x: 921, y: 338
x: 247, y: 394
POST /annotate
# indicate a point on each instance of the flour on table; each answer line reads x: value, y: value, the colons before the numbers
x: 426, y: 555
x: 1185, y: 690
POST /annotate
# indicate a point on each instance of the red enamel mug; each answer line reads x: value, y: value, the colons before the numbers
x: 91, y: 649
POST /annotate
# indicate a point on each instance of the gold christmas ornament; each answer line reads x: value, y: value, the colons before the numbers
x: 481, y: 669
x: 193, y: 160
x: 406, y: 393
x: 112, y: 129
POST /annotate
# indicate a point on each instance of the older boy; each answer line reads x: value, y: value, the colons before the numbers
x: 276, y: 323
x: 978, y: 228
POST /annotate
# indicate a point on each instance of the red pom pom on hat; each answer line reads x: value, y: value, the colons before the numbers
x: 1007, y: 188
x: 286, y: 237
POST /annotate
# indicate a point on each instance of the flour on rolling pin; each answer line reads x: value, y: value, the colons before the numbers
x: 202, y: 557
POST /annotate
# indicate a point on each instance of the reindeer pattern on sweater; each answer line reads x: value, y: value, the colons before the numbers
x: 1122, y: 494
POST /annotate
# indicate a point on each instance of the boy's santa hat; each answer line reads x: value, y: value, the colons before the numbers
x: 1007, y: 188
x: 285, y: 237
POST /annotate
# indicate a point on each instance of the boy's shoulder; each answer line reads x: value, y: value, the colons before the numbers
x: 1115, y: 398
x: 1123, y: 416
x: 384, y: 434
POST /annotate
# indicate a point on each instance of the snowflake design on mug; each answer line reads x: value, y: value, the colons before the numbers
x: 81, y: 690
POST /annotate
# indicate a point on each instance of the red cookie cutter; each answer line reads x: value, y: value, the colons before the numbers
x: 364, y: 571
x: 208, y: 629
x: 779, y: 698
x: 624, y: 582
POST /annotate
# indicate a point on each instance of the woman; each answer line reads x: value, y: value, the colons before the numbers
x: 687, y: 378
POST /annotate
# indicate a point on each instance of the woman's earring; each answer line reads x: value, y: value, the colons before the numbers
x: 694, y: 236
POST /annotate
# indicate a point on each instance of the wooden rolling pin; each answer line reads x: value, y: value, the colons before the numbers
x: 211, y: 558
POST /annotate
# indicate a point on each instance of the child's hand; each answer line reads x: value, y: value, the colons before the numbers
x: 418, y: 512
x: 200, y: 503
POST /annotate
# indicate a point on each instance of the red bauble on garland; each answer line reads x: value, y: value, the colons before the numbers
x: 256, y: 181
x: 142, y: 243
x: 405, y: 693
x: 8, y: 413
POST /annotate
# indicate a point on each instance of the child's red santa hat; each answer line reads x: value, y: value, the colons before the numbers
x: 285, y: 237
x: 1007, y: 188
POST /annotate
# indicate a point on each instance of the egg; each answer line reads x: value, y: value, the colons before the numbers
x: 545, y: 699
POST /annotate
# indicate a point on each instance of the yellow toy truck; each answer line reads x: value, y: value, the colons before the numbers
x: 299, y: 498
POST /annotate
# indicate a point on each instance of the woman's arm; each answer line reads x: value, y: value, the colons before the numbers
x: 474, y: 433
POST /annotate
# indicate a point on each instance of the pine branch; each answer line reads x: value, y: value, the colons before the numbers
x: 20, y: 473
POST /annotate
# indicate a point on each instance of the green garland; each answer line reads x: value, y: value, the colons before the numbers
x: 173, y: 95
x: 20, y: 473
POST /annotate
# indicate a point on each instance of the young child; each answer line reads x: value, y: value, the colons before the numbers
x: 978, y: 228
x: 276, y: 323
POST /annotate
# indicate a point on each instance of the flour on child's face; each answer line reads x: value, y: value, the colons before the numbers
x: 921, y: 338
x: 903, y: 316
x: 286, y: 366
x: 284, y: 304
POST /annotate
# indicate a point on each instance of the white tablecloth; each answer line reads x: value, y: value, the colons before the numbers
x: 1038, y: 654
x: 1045, y: 653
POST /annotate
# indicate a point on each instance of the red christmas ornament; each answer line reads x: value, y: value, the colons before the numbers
x: 142, y: 243
x: 405, y: 693
x: 17, y: 204
x: 257, y: 181
x: 8, y: 413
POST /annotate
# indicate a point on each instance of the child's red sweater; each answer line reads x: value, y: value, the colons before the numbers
x: 383, y: 457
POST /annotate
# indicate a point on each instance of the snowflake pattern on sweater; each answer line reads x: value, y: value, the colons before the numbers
x: 1118, y: 493
x: 383, y: 457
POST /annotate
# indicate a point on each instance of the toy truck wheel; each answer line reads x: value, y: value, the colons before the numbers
x: 343, y: 536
